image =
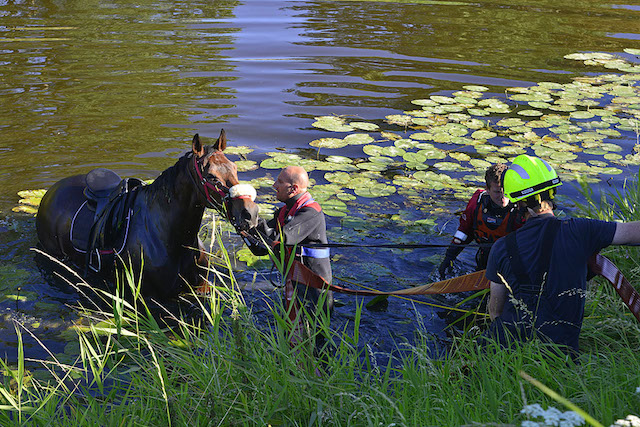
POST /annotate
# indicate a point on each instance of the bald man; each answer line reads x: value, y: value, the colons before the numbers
x: 302, y: 223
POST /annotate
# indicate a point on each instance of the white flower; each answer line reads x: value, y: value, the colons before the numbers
x: 552, y: 417
x: 630, y: 421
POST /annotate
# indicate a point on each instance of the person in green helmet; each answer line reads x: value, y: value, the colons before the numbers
x: 538, y: 273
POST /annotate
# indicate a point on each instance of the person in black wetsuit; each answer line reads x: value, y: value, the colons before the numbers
x: 298, y: 223
x: 538, y: 274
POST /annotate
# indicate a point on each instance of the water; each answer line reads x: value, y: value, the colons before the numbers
x: 87, y: 84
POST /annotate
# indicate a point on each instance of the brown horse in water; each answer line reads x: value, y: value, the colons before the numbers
x: 154, y: 225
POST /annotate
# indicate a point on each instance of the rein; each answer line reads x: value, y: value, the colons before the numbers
x: 203, y: 186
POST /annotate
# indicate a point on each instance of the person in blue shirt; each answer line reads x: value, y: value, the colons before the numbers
x: 538, y: 274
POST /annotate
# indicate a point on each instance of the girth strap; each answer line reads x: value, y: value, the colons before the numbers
x: 525, y: 285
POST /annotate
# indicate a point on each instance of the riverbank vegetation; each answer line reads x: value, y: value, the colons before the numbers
x: 215, y: 364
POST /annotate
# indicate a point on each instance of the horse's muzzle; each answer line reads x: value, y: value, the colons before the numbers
x: 245, y: 214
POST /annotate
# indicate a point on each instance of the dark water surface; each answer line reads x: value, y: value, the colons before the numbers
x: 107, y: 83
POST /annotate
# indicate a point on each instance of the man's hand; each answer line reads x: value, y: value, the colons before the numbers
x: 256, y: 241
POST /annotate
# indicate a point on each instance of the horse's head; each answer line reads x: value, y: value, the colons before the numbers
x: 218, y: 177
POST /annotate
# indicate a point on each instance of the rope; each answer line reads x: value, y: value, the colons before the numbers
x: 395, y: 245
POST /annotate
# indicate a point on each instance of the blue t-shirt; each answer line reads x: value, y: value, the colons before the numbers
x: 556, y: 311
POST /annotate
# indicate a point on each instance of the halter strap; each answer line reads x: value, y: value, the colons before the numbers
x: 206, y: 185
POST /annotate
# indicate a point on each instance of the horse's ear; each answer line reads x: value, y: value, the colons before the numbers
x: 196, y: 146
x: 221, y: 143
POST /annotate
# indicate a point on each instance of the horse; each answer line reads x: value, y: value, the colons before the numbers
x: 83, y: 219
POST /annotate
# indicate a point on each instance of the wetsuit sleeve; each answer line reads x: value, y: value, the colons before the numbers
x: 464, y: 233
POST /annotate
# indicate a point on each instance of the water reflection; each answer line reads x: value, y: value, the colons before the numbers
x: 125, y: 86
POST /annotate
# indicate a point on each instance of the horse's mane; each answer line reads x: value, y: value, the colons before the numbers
x: 164, y: 184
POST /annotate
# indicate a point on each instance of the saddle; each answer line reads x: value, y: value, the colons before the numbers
x: 100, y: 226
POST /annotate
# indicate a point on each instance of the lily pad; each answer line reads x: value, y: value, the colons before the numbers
x: 332, y: 124
x: 582, y: 115
x: 400, y: 120
x: 358, y: 139
x: 238, y: 149
x: 378, y: 189
x: 371, y: 127
x: 483, y: 134
x: 328, y: 143
x: 476, y: 88
x: 530, y: 113
x: 246, y: 165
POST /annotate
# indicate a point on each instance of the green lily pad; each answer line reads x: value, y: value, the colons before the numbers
x: 332, y: 124
x: 414, y: 157
x: 461, y: 157
x: 328, y: 143
x: 479, y: 164
x: 424, y: 102
x: 393, y: 151
x: 476, y: 88
x: 588, y: 56
x: 338, y: 159
x: 448, y: 166
x: 404, y: 144
x: 258, y: 262
x: 510, y: 122
x: 398, y: 119
x: 477, y: 112
x: 610, y: 147
x: 442, y: 99
x: 338, y: 177
x: 370, y: 166
x: 31, y: 198
x: 483, y: 134
x: 381, y: 159
x: 358, y: 139
x: 422, y: 136
x: 530, y: 113
x: 371, y: 127
x: 582, y: 115
x: 563, y: 156
x: 238, y: 149
x: 378, y: 189
x: 246, y: 165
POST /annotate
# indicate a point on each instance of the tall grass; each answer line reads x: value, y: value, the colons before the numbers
x: 143, y: 365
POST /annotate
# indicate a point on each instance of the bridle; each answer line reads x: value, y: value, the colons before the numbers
x: 226, y: 194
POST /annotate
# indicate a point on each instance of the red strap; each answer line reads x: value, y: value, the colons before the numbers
x: 304, y: 200
x: 606, y: 268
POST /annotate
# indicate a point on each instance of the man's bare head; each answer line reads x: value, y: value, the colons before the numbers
x: 293, y: 180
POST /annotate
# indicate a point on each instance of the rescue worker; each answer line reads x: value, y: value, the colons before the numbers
x: 488, y: 216
x: 299, y: 222
x: 538, y: 274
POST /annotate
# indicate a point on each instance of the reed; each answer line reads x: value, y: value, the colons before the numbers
x: 142, y: 364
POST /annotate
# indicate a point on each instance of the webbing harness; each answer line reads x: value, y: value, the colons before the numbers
x: 525, y: 284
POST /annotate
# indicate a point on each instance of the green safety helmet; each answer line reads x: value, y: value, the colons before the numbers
x: 528, y: 176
